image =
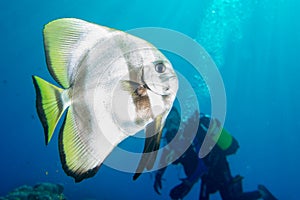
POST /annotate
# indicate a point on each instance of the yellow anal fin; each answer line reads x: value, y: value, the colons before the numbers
x: 49, y: 105
x: 77, y: 155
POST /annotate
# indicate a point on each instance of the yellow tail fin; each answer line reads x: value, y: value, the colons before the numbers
x: 49, y: 105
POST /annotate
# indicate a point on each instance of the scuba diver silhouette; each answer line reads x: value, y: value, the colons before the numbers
x: 213, y: 169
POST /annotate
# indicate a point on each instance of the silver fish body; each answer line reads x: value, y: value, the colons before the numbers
x: 114, y: 85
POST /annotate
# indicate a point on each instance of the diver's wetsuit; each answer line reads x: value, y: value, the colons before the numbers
x: 213, y: 169
x: 219, y: 178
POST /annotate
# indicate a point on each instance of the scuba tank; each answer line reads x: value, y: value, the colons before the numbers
x: 223, y: 139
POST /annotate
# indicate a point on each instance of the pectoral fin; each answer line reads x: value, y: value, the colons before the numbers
x: 129, y: 86
x: 153, y: 135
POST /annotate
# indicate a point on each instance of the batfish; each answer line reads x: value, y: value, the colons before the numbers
x: 111, y: 86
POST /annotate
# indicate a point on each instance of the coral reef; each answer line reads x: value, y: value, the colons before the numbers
x: 41, y: 191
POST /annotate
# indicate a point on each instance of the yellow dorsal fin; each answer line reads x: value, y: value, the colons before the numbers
x: 66, y: 43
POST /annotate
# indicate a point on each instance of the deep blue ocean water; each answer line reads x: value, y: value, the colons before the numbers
x: 255, y: 45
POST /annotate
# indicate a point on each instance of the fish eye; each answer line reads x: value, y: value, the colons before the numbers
x: 160, y: 67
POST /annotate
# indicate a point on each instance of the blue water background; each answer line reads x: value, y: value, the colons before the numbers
x: 255, y: 44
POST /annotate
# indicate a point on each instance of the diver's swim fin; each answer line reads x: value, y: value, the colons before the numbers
x: 266, y: 194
